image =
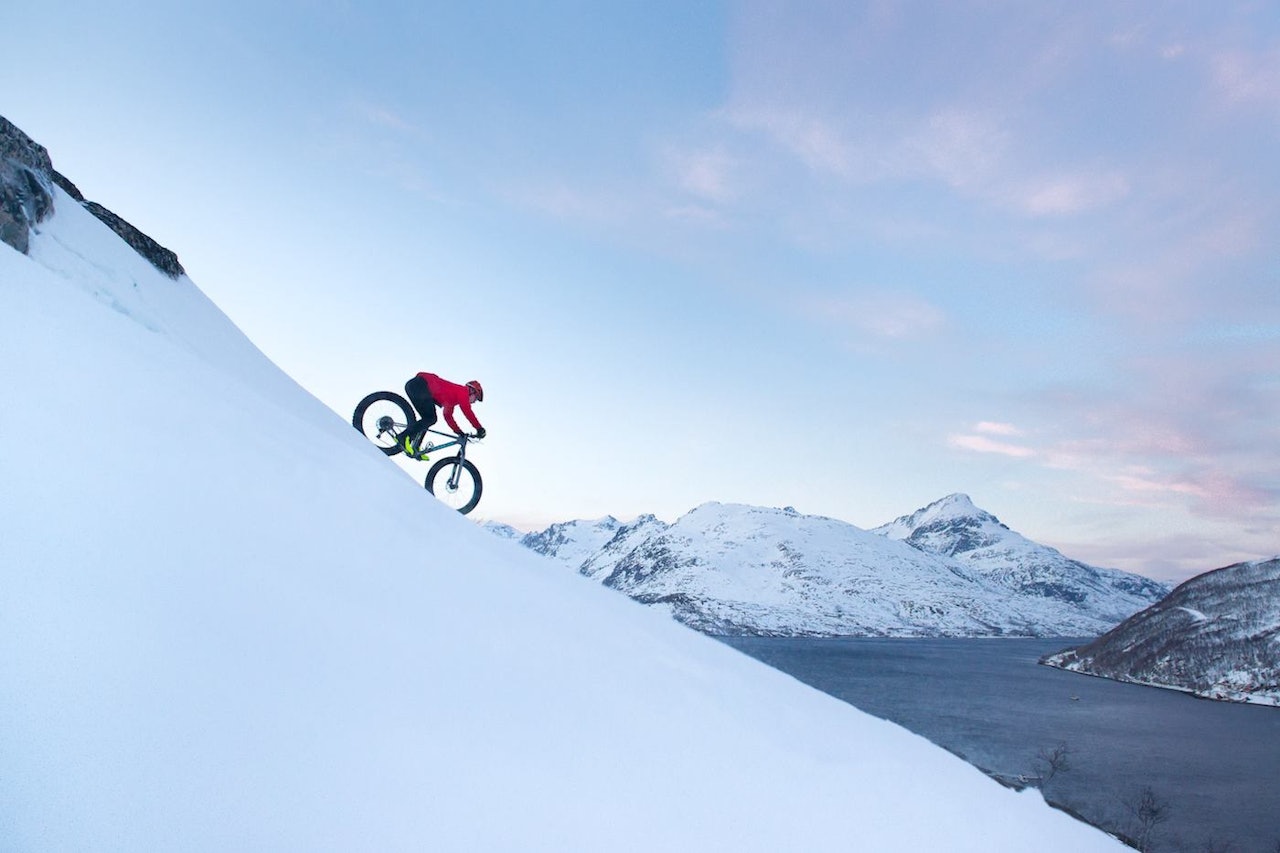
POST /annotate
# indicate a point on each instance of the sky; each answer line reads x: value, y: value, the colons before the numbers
x: 178, y: 675
x: 846, y: 257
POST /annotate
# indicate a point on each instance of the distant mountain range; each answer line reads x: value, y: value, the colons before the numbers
x: 1217, y: 636
x: 949, y: 569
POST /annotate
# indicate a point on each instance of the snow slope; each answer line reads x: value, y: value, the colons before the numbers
x: 227, y: 623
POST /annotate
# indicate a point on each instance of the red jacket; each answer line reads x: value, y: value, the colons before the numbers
x: 447, y: 395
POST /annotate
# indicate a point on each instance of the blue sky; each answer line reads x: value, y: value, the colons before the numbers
x: 849, y: 257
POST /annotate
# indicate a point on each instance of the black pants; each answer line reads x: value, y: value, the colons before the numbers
x: 420, y: 396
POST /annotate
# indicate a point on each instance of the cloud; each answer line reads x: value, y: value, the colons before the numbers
x: 382, y: 143
x: 696, y: 214
x: 983, y: 444
x: 973, y: 152
x: 1179, y: 269
x: 706, y: 173
x: 1165, y: 556
x: 1071, y: 194
x: 814, y: 139
x: 561, y: 200
x: 1175, y: 434
x: 1179, y: 430
x: 382, y: 116
x: 996, y: 428
x: 876, y: 314
x: 966, y: 148
x: 1245, y: 78
x: 1100, y: 192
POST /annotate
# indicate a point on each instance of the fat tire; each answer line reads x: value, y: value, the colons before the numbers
x: 445, y: 466
x: 357, y: 419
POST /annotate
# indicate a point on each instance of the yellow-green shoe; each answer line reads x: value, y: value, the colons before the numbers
x: 411, y: 449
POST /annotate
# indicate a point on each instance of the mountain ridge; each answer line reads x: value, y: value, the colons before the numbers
x: 954, y: 527
x: 948, y: 569
x: 1216, y: 635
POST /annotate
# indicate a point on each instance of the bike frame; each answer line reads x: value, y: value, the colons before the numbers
x: 461, y: 442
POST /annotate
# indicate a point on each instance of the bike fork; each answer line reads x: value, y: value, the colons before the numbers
x: 457, y: 469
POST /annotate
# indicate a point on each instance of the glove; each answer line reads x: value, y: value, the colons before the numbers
x: 480, y: 433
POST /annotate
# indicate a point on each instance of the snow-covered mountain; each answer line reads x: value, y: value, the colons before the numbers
x: 731, y: 569
x: 1217, y: 635
x: 953, y: 527
x: 207, y: 642
x: 593, y: 547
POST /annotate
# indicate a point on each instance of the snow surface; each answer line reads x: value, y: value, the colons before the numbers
x: 228, y: 623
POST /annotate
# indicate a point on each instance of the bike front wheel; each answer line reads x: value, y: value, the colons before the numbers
x: 456, y: 482
x: 383, y: 417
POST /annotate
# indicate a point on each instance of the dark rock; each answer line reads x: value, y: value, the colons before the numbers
x: 27, y: 179
x: 26, y: 193
x: 160, y: 257
x: 24, y: 202
x: 67, y: 187
x: 22, y: 149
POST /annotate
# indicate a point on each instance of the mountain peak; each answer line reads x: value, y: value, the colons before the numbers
x: 953, y: 526
x: 956, y: 503
x: 955, y: 509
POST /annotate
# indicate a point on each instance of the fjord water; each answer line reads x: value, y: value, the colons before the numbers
x: 1217, y: 765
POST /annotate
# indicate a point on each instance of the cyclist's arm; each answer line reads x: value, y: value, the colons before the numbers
x: 471, y: 416
x: 447, y: 411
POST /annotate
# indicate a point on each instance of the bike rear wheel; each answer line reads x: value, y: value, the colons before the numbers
x: 462, y: 495
x: 382, y: 417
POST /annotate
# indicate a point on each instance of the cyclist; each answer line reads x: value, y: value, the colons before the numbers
x: 426, y: 391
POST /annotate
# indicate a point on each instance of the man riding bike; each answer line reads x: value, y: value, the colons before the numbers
x: 426, y: 391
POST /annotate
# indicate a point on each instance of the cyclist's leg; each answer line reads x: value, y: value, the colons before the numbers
x: 420, y: 396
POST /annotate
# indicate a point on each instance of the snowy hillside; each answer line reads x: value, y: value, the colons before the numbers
x: 1217, y: 635
x: 228, y: 623
x: 727, y: 569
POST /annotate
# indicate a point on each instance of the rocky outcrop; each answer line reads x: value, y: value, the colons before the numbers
x: 17, y: 147
x: 27, y: 179
x: 26, y: 192
x: 160, y: 257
